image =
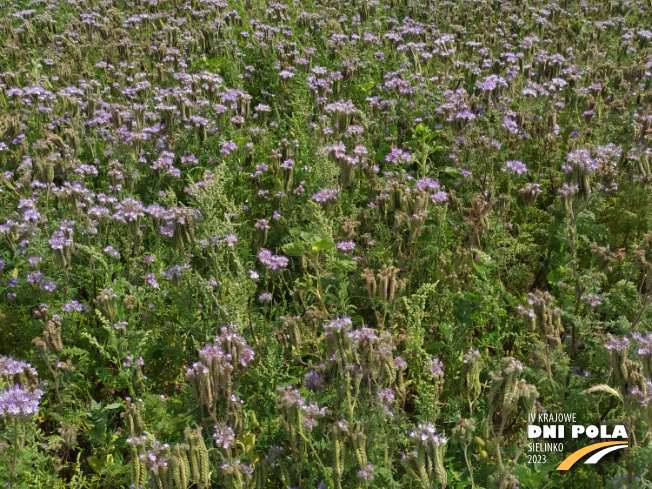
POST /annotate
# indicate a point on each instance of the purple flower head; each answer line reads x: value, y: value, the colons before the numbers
x: 60, y: 240
x: 582, y: 159
x: 400, y: 363
x: 567, y: 190
x: 531, y: 190
x: 150, y: 279
x: 224, y: 436
x: 326, y: 194
x: 175, y: 271
x: 427, y: 184
x: 228, y: 148
x: 426, y: 434
x: 10, y: 367
x: 515, y: 166
x: 471, y: 356
x: 434, y: 366
x: 18, y: 401
x: 592, y: 300
x: 366, y: 473
x: 510, y: 124
x: 337, y: 325
x: 74, y: 305
x: 397, y: 155
x: 230, y: 240
x: 526, y: 312
x: 313, y: 381
x: 262, y: 224
x: 345, y: 246
x: 310, y: 414
x: 440, y: 196
x: 617, y: 344
x: 491, y: 83
x: 265, y: 297
x: 112, y: 251
x: 274, y: 263
x: 128, y: 210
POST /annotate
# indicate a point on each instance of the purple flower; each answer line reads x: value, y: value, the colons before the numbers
x: 150, y: 279
x: 310, y: 414
x: 617, y: 344
x: 175, y: 271
x: 397, y: 155
x: 526, y: 311
x: 74, y: 305
x: 337, y: 325
x: 471, y: 356
x: 326, y: 194
x: 285, y: 74
x: 400, y: 363
x: 224, y: 436
x: 265, y: 297
x: 440, y: 196
x: 128, y: 210
x: 35, y: 277
x: 60, y: 240
x: 531, y: 190
x: 510, y: 124
x: 48, y: 286
x: 567, y: 190
x: 11, y: 367
x: 16, y: 400
x: 427, y: 184
x: 515, y: 166
x: 345, y: 246
x: 592, y: 300
x: 582, y: 159
x: 490, y: 83
x: 262, y: 224
x: 434, y: 367
x: 228, y: 148
x: 427, y: 435
x: 313, y: 381
x: 274, y: 263
x: 112, y: 251
x: 366, y: 473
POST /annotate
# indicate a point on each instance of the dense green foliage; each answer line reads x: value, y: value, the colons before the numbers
x: 323, y: 244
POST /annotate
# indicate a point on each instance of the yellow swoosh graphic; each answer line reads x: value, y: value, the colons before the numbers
x: 575, y: 456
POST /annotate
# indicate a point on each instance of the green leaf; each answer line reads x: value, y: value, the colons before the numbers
x: 380, y: 154
x: 346, y: 263
x: 295, y: 249
x: 96, y: 463
x: 114, y: 405
x: 452, y: 172
x: 102, y: 373
x: 434, y: 347
x: 323, y: 244
x: 425, y: 238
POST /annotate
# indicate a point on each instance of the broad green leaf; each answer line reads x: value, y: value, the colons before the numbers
x: 295, y: 249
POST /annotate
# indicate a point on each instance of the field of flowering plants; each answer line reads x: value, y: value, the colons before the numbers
x: 325, y: 244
